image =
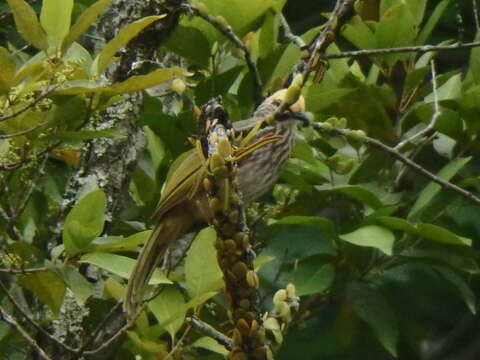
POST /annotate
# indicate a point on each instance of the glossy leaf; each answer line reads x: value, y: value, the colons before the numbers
x: 202, y: 273
x: 120, y: 265
x: 55, y: 19
x: 371, y: 236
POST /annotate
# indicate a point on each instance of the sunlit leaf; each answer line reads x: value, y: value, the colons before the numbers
x: 202, y: 273
x: 210, y: 344
x: 121, y: 266
x: 84, y: 222
x: 55, y: 19
x: 465, y: 291
x: 371, y: 236
x: 27, y: 24
x: 169, y: 302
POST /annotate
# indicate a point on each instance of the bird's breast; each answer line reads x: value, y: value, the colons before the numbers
x: 258, y: 171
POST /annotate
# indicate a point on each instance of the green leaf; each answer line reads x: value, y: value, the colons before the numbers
x: 27, y: 24
x: 194, y: 303
x: 118, y: 243
x: 84, y: 21
x: 156, y: 148
x: 202, y: 273
x: 84, y: 222
x: 441, y: 235
x: 465, y: 291
x: 432, y: 21
x: 322, y: 223
x: 47, y: 286
x: 359, y: 33
x: 121, y: 266
x: 208, y: 343
x: 169, y: 302
x: 319, y: 98
x: 182, y: 42
x: 370, y: 305
x: 396, y: 28
x: 395, y: 223
x: 312, y: 276
x: 359, y: 193
x: 140, y: 82
x: 474, y: 63
x: 127, y: 33
x: 268, y: 34
x: 80, y: 287
x: 132, y: 84
x: 55, y: 19
x: 7, y: 75
x: 371, y: 236
x: 432, y: 189
x: 450, y: 90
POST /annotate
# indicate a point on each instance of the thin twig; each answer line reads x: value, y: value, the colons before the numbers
x: 287, y: 32
x: 33, y: 322
x: 97, y: 330
x: 42, y: 96
x: 325, y: 38
x: 227, y: 31
x: 13, y: 323
x: 210, y: 331
x: 23, y: 132
x: 420, y: 49
x: 23, y: 271
x: 437, y: 112
x: 402, y: 158
x: 121, y: 332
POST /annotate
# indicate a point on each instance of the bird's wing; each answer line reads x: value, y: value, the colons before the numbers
x: 182, y: 180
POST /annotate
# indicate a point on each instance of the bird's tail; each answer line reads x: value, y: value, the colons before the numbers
x: 149, y: 258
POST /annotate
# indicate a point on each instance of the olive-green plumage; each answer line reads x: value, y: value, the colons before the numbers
x: 183, y: 206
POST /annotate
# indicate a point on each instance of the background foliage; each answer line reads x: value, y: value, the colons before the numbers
x: 384, y: 261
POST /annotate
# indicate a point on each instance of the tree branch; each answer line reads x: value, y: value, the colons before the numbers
x: 32, y: 322
x: 400, y: 157
x: 419, y: 49
x: 7, y: 318
x: 210, y: 331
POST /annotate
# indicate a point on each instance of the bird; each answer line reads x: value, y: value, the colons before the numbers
x: 183, y: 205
